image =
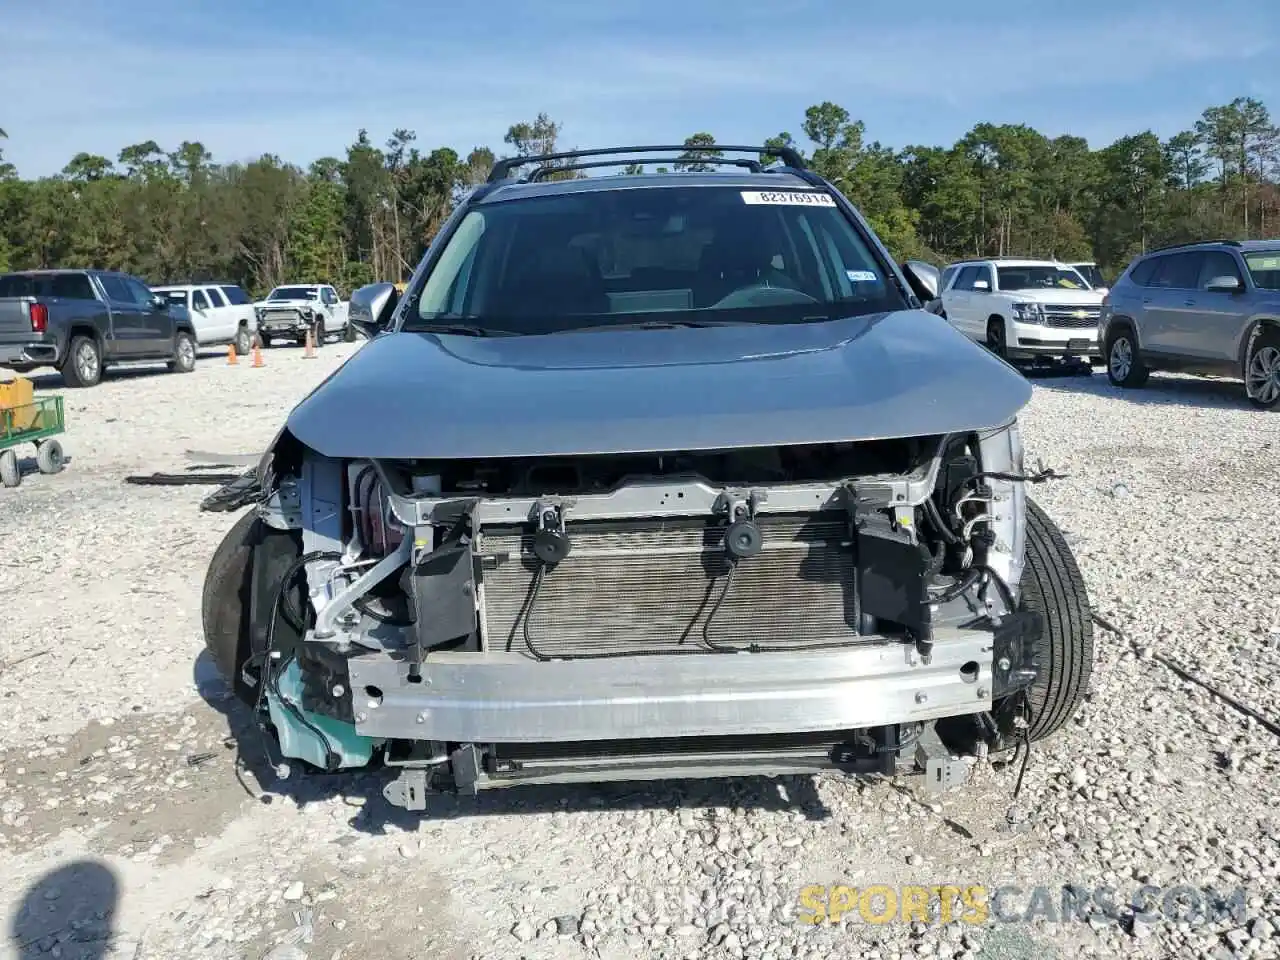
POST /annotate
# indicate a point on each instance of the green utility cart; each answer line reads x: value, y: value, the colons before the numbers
x: 38, y: 423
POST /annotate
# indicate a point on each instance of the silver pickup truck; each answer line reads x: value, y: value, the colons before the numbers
x: 82, y: 321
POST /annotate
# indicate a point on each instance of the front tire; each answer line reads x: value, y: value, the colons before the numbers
x: 10, y: 469
x: 83, y: 365
x: 49, y: 457
x: 244, y: 342
x: 1262, y: 370
x: 348, y: 334
x: 1053, y: 587
x: 1124, y: 361
x: 184, y: 353
x: 225, y: 603
x: 997, y: 340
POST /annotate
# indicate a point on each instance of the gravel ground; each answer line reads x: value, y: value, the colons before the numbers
x: 128, y: 830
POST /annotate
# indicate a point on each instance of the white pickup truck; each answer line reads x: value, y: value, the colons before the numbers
x: 290, y: 311
x: 220, y: 312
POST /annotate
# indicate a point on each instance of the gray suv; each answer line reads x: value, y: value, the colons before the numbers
x: 1208, y: 308
x: 650, y: 476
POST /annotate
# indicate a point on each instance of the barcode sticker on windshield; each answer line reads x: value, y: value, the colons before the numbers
x: 859, y: 276
x: 793, y: 198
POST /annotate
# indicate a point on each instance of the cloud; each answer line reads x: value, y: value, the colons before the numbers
x: 282, y: 81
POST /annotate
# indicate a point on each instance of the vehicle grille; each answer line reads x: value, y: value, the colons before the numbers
x: 649, y: 586
x: 287, y: 315
x: 1070, y: 316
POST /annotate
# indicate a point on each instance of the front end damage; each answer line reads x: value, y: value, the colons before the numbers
x: 481, y: 623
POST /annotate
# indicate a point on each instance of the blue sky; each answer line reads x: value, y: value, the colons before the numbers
x: 299, y: 78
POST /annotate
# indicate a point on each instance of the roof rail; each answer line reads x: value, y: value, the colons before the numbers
x: 545, y: 171
x: 1195, y: 243
x: 692, y: 154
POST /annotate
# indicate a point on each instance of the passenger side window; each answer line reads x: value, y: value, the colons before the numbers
x: 1217, y: 263
x: 236, y: 296
x: 966, y: 278
x: 71, y: 286
x: 115, y: 289
x: 138, y: 293
x: 1178, y: 271
x: 1145, y: 272
x: 215, y: 298
x: 329, y: 296
x: 198, y: 301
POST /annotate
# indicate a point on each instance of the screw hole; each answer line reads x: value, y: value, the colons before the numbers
x: 374, y: 694
x: 969, y: 672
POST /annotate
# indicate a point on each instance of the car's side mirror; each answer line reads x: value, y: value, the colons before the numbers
x: 158, y: 302
x: 1224, y: 285
x: 981, y: 286
x: 371, y: 307
x: 922, y: 278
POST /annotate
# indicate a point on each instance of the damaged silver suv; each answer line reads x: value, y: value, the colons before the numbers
x: 650, y: 476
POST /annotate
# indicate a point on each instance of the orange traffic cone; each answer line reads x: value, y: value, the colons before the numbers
x: 257, y: 355
x: 309, y: 353
x: 232, y: 360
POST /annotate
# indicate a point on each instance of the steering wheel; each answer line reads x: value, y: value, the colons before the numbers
x: 762, y: 295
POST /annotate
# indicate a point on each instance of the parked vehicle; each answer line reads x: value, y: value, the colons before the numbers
x: 85, y: 321
x: 1209, y: 308
x: 1024, y: 308
x: 661, y: 475
x: 1093, y: 274
x: 220, y: 312
x: 290, y: 311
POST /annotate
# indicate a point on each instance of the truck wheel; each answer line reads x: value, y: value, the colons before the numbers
x: 49, y: 457
x: 184, y: 353
x: 1262, y: 370
x: 83, y: 366
x: 10, y: 471
x: 1053, y: 587
x: 244, y: 342
x: 997, y: 342
x: 317, y: 333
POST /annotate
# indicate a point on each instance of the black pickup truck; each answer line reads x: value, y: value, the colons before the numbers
x: 83, y: 321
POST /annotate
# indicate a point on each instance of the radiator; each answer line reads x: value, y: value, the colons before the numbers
x: 648, y: 586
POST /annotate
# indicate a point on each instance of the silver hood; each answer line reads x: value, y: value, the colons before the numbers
x: 407, y: 395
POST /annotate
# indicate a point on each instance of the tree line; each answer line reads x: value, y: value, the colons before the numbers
x: 1001, y: 190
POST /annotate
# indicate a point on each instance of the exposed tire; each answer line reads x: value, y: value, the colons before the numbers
x: 49, y: 457
x: 10, y: 470
x: 317, y: 333
x: 244, y: 341
x: 184, y: 353
x: 348, y: 334
x: 225, y: 603
x: 1262, y: 369
x: 1124, y: 360
x: 1053, y: 587
x: 83, y: 364
x: 997, y: 340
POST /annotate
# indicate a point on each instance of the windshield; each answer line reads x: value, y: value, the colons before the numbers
x: 656, y: 254
x: 1264, y: 268
x: 293, y: 293
x: 1039, y: 278
x: 1091, y: 273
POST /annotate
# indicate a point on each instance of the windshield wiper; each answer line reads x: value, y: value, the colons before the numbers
x: 656, y: 325
x: 460, y: 330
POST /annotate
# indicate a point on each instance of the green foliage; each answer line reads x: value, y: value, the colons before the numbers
x: 175, y: 215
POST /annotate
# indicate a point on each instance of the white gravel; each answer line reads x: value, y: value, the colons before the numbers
x: 126, y: 832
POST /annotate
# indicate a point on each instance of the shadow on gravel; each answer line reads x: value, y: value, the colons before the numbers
x: 374, y: 814
x: 54, y: 381
x: 67, y: 913
x: 1160, y: 391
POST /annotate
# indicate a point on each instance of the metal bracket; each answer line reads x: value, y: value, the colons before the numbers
x: 327, y: 617
x: 409, y: 790
x: 942, y: 771
x: 468, y: 771
x: 283, y: 509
